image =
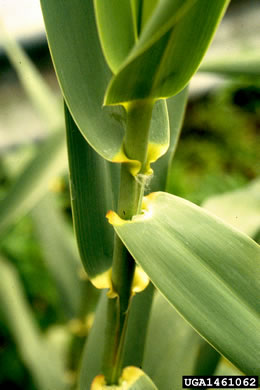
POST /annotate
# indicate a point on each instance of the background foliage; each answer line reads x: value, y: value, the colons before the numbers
x: 218, y: 152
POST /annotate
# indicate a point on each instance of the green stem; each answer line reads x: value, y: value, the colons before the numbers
x: 130, y: 198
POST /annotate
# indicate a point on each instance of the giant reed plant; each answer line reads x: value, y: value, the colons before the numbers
x: 123, y: 67
x: 117, y: 64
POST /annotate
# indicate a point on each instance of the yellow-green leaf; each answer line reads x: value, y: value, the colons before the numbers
x: 142, y: 11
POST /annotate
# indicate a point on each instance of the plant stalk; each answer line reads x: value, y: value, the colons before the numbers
x: 129, y: 204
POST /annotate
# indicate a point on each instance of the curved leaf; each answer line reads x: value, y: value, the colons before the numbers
x: 44, y: 363
x: 94, y: 182
x: 60, y: 253
x: 244, y: 63
x: 142, y: 11
x: 116, y: 30
x: 173, y: 348
x: 83, y: 76
x: 225, y: 368
x: 91, y: 197
x: 33, y: 182
x: 205, y: 268
x: 176, y: 28
x: 77, y: 56
x: 33, y: 83
x: 147, y: 9
x: 176, y: 109
x: 50, y: 159
x: 91, y: 363
x: 138, y: 321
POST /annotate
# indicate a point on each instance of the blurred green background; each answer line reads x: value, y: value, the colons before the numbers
x: 218, y: 152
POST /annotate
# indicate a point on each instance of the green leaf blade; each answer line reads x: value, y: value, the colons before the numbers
x: 240, y: 208
x: 161, y: 57
x: 43, y: 361
x: 142, y: 11
x: 116, y: 30
x: 90, y: 183
x: 34, y: 181
x: 148, y: 7
x: 91, y: 365
x: 77, y: 56
x: 244, y: 64
x: 173, y: 348
x: 60, y: 252
x: 203, y: 267
x: 176, y: 109
x: 33, y: 83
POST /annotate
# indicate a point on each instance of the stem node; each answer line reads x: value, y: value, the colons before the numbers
x: 139, y: 114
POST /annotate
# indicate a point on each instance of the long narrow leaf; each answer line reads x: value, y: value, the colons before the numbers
x: 203, y: 267
x: 142, y: 11
x: 176, y: 108
x: 33, y: 83
x: 138, y: 321
x: 240, y: 208
x: 244, y: 63
x: 91, y: 365
x: 173, y: 348
x: 225, y: 368
x: 176, y: 28
x: 91, y: 197
x: 76, y: 39
x: 93, y: 193
x: 31, y: 185
x: 60, y: 253
x: 40, y: 358
x: 116, y: 30
x: 147, y: 9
